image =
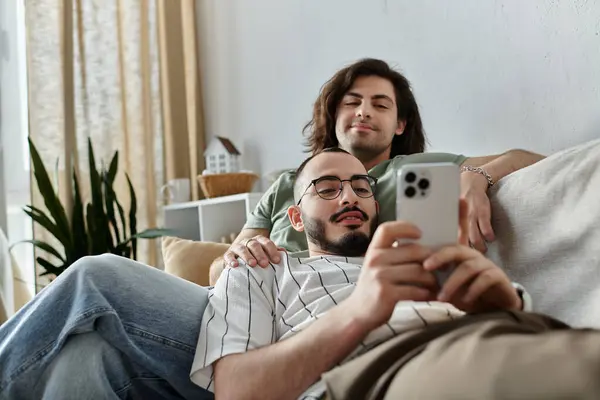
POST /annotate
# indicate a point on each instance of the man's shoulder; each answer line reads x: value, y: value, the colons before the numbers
x: 286, y: 179
x: 244, y: 276
x: 433, y: 157
x: 393, y: 164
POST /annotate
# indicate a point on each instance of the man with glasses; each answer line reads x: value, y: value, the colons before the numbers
x: 380, y: 324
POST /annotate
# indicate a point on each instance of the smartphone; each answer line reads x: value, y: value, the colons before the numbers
x: 427, y: 195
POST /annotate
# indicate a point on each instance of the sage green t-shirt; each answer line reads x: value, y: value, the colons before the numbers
x: 271, y: 211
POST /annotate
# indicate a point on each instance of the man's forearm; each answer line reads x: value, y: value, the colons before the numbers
x: 285, y: 369
x: 499, y: 166
x: 509, y: 162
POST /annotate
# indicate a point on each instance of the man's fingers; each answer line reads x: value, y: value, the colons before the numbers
x: 270, y: 249
x: 462, y: 275
x: 463, y: 218
x: 411, y: 274
x: 395, y: 256
x: 230, y: 259
x: 485, y: 226
x: 258, y: 252
x: 414, y: 293
x: 475, y: 236
x: 388, y: 232
x: 447, y: 255
x: 481, y: 284
x: 244, y: 253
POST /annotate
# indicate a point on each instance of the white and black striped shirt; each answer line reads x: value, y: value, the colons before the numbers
x: 253, y: 307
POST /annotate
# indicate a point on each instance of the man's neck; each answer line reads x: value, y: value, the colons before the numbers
x: 369, y: 160
x: 315, y: 251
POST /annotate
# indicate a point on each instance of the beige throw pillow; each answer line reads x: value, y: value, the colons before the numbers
x: 189, y: 259
x: 547, y: 223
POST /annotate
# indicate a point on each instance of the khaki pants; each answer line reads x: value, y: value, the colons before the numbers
x: 507, y: 355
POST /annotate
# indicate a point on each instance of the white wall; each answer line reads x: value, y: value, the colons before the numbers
x: 488, y: 75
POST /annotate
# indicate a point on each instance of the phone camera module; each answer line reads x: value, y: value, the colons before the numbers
x: 410, y: 177
x: 410, y: 192
x: 423, y: 184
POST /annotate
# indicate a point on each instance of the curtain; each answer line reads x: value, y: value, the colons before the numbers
x: 125, y: 74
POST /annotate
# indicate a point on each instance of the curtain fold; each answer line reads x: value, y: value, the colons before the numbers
x: 125, y: 74
x: 182, y: 109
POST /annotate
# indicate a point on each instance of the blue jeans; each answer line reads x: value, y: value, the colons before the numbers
x: 107, y: 328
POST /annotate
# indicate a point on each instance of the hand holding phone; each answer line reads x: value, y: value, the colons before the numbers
x: 427, y: 195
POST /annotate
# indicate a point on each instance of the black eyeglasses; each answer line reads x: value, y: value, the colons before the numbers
x: 330, y: 187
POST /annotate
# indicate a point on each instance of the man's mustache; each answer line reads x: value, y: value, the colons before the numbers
x: 337, y: 215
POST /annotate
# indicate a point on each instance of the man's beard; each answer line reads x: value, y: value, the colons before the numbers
x: 351, y: 244
x: 365, y: 149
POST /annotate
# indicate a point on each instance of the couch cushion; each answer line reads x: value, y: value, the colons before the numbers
x: 547, y: 221
x: 189, y: 259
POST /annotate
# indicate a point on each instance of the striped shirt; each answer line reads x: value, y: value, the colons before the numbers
x: 253, y: 307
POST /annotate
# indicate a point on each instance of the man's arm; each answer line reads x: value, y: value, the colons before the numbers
x: 287, y: 368
x: 474, y: 188
x: 217, y: 266
x: 499, y: 166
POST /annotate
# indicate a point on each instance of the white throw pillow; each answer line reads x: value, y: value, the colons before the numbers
x: 547, y: 221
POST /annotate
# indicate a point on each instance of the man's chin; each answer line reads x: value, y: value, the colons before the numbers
x: 353, y: 227
x: 350, y: 225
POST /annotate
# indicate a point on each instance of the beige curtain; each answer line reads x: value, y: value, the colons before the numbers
x: 125, y: 74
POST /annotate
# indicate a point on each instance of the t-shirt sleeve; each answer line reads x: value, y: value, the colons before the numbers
x: 261, y: 216
x: 239, y: 317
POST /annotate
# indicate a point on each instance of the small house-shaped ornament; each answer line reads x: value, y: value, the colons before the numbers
x: 222, y: 156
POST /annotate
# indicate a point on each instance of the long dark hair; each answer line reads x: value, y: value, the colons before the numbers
x: 320, y: 131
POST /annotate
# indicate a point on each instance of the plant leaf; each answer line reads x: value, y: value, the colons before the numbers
x: 89, y: 216
x: 49, y: 267
x: 132, y: 219
x: 45, y: 222
x: 80, y: 238
x: 109, y: 200
x: 51, y: 199
x: 42, y: 245
x: 152, y: 233
x: 122, y: 217
x: 123, y: 249
x: 100, y: 233
x: 113, y: 168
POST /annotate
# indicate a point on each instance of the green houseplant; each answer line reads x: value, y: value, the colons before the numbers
x: 96, y: 227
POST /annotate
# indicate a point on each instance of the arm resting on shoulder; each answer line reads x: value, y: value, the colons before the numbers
x: 217, y: 266
x: 499, y: 166
x: 286, y: 369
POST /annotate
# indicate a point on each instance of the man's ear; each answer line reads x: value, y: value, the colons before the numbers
x: 401, y: 127
x: 295, y: 216
x: 377, y: 207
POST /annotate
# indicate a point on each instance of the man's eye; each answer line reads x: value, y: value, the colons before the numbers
x: 352, y: 103
x: 381, y: 106
x: 362, y: 190
x: 327, y: 191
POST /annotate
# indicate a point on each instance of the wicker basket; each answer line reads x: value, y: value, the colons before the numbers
x: 217, y: 185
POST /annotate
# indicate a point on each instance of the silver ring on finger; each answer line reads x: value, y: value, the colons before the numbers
x: 248, y: 241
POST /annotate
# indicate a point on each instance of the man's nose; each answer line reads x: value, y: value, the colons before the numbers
x: 363, y: 111
x: 348, y: 196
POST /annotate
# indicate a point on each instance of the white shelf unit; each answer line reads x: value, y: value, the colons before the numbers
x: 210, y: 219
